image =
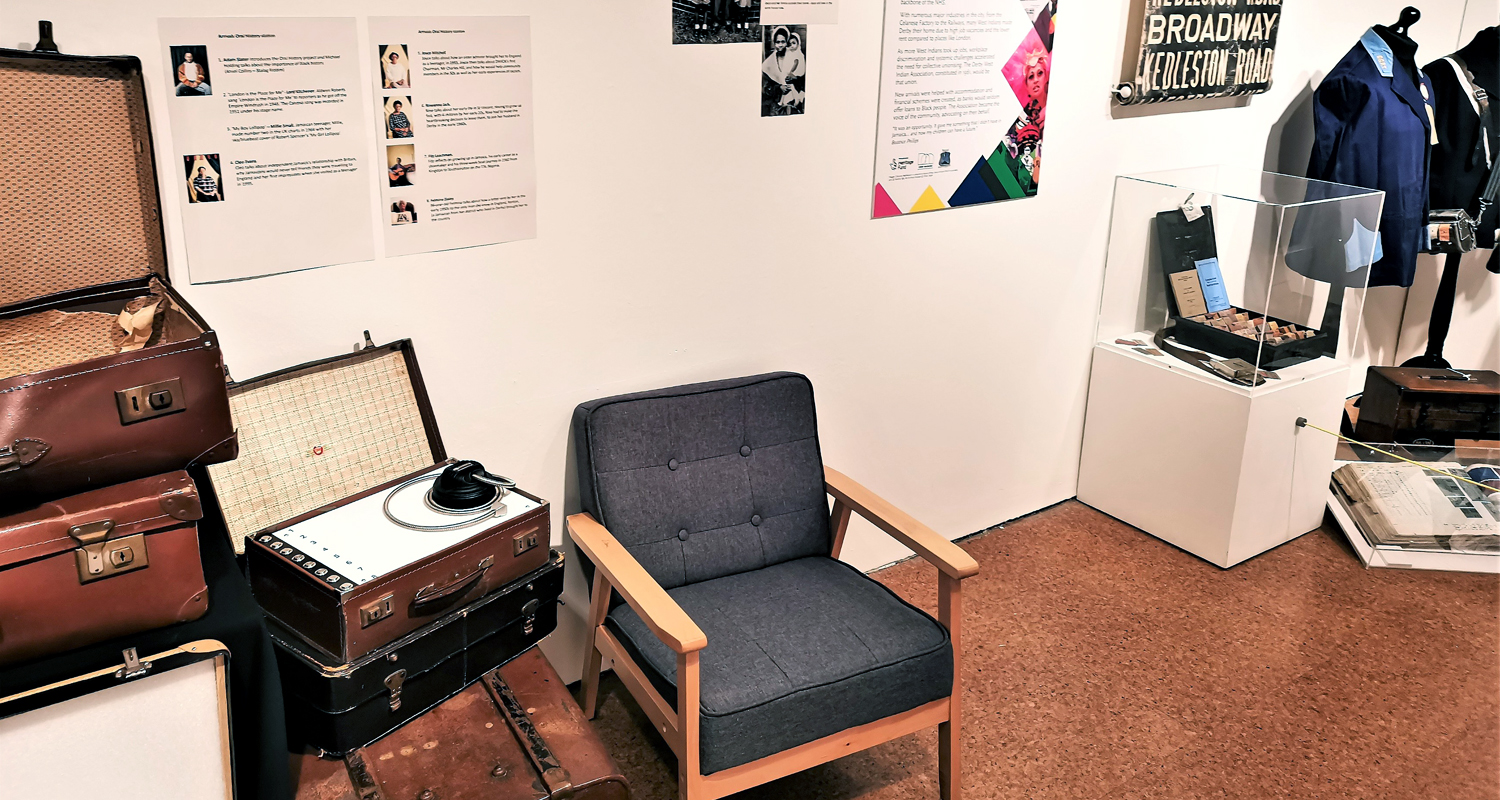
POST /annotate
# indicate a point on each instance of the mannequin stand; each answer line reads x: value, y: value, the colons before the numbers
x: 1442, y: 318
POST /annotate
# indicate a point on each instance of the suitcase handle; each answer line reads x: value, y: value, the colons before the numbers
x: 430, y: 599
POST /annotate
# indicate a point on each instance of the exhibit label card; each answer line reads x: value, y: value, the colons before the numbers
x: 963, y: 102
x: 799, y: 12
x: 272, y: 155
x: 453, y: 118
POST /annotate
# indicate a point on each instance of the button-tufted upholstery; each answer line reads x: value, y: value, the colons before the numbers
x: 707, y: 480
x: 717, y: 490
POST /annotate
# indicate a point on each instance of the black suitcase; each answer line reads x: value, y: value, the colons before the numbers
x: 339, y: 707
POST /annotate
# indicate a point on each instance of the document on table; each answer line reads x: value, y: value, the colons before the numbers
x: 272, y: 166
x: 453, y: 119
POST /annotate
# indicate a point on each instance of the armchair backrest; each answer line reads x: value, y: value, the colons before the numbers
x: 706, y: 480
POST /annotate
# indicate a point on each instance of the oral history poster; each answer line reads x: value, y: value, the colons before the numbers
x: 453, y: 118
x: 272, y: 153
x: 963, y: 103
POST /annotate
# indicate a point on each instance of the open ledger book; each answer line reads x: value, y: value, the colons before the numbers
x: 1405, y: 506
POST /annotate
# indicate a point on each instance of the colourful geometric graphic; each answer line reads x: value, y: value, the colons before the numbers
x: 929, y: 201
x: 884, y: 206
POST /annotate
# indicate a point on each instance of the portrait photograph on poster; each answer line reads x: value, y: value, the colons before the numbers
x: 715, y: 21
x: 204, y: 184
x: 398, y: 110
x: 190, y: 66
x: 400, y: 163
x: 395, y: 68
x: 403, y: 212
x: 783, y: 72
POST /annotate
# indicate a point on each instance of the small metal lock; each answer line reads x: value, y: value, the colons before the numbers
x: 101, y: 557
x: 371, y: 613
x: 150, y: 400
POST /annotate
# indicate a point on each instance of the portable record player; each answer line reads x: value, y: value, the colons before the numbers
x: 358, y: 529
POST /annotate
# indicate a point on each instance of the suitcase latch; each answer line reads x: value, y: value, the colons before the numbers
x: 150, y: 400
x: 371, y: 613
x: 529, y: 610
x: 393, y: 683
x: 102, y: 557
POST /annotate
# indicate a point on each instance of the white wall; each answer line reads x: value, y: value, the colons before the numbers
x: 683, y: 238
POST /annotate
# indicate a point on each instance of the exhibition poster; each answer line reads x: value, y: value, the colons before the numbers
x: 271, y: 163
x: 963, y: 103
x: 454, y: 126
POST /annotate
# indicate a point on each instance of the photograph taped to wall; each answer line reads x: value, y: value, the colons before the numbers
x: 204, y: 180
x: 962, y: 107
x: 395, y: 67
x: 715, y: 21
x: 783, y: 73
x: 190, y: 66
x: 400, y: 163
x: 398, y: 111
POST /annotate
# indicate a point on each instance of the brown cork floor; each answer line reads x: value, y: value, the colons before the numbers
x: 1103, y: 663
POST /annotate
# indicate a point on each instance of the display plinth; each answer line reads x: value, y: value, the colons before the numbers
x: 1217, y: 469
x: 1228, y: 297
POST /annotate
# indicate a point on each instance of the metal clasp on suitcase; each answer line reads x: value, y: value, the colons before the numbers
x: 393, y: 683
x: 99, y: 557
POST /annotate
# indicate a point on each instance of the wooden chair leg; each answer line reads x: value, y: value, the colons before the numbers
x: 950, y: 733
x: 598, y: 607
x: 689, y: 770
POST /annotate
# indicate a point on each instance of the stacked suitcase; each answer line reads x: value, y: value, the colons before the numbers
x: 374, y: 623
x: 110, y: 383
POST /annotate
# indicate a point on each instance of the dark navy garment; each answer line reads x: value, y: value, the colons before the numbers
x: 1373, y: 128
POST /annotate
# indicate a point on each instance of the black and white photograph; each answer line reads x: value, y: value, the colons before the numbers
x: 204, y: 181
x: 403, y: 212
x: 190, y: 68
x: 715, y: 21
x: 783, y: 73
x: 395, y: 67
x: 398, y: 112
x: 400, y: 163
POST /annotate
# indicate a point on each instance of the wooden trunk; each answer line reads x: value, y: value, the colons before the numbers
x: 517, y: 734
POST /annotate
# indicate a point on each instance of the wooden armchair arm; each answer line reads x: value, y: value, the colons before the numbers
x: 948, y: 557
x: 658, y: 610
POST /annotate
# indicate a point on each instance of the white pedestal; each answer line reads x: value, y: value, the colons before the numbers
x: 1215, y: 468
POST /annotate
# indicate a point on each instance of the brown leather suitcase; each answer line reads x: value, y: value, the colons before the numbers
x: 83, y: 402
x: 1411, y: 405
x: 101, y: 564
x: 321, y: 445
x: 516, y: 734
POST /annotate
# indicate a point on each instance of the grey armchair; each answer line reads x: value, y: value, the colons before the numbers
x: 752, y: 649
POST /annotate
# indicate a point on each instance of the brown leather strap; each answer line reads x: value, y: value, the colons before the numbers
x: 22, y: 453
x: 557, y: 779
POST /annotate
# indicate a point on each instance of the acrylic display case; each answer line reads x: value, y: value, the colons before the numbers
x: 1229, y: 299
x: 1398, y: 515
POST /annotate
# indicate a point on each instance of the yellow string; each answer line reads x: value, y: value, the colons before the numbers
x: 1444, y: 473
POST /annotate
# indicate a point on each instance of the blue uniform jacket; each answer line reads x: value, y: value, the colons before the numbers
x: 1372, y: 129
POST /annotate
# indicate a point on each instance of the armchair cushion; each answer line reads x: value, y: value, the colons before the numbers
x: 706, y: 480
x: 796, y: 651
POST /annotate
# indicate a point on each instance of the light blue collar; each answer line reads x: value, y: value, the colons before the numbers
x: 1379, y: 51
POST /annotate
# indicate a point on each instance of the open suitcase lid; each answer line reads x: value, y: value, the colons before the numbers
x: 320, y: 432
x: 81, y: 175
